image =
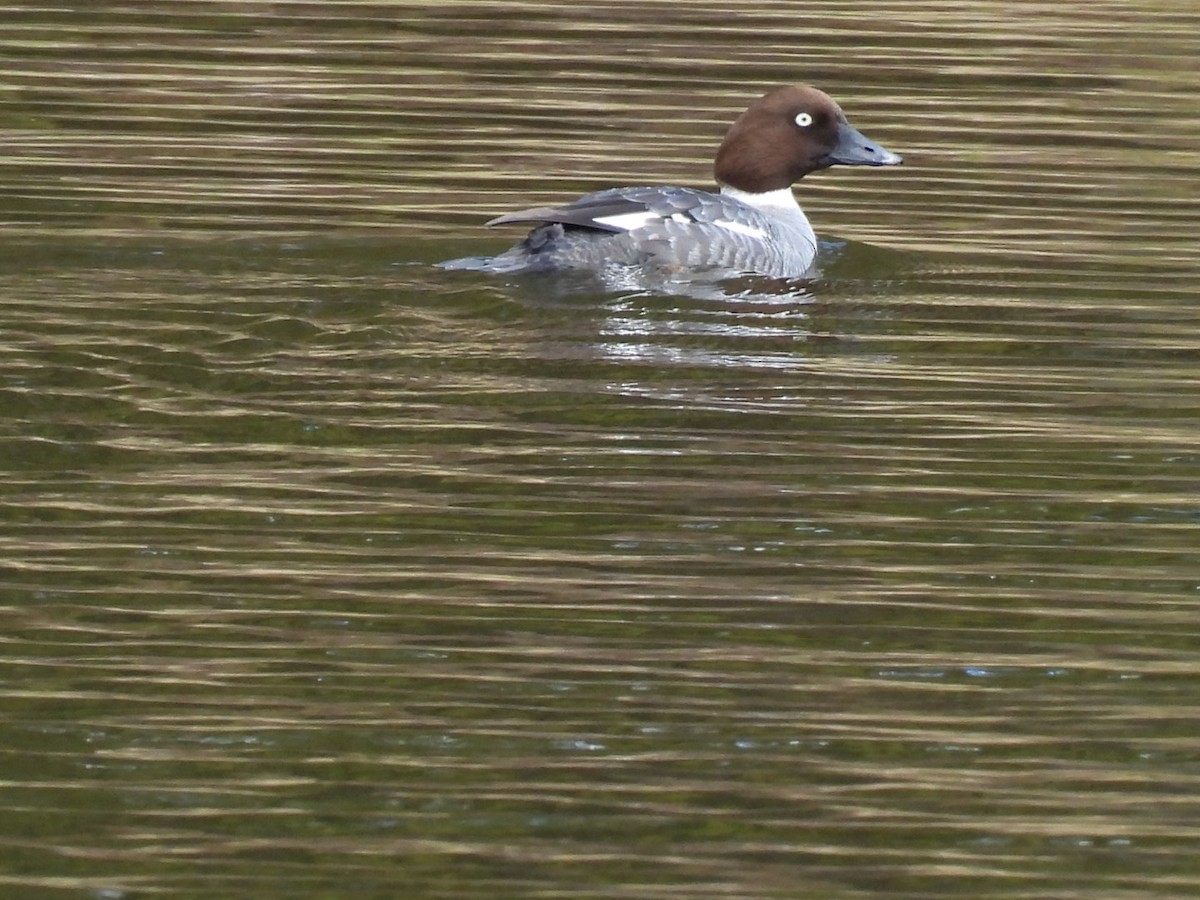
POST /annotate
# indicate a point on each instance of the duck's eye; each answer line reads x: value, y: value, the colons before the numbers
x: 804, y: 119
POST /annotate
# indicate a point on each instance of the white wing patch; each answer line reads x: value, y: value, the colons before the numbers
x: 748, y: 230
x: 634, y: 220
x: 628, y: 221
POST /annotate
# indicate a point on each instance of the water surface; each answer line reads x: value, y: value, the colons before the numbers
x: 331, y: 574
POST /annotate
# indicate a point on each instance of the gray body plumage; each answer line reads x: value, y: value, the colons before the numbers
x: 660, y: 227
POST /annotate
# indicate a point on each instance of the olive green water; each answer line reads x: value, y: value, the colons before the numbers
x: 325, y: 573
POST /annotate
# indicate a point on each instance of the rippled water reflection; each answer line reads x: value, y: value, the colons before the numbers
x: 328, y: 573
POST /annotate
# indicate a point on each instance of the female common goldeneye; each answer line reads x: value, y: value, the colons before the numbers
x: 754, y: 224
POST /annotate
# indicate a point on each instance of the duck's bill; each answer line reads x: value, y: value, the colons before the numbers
x: 853, y: 149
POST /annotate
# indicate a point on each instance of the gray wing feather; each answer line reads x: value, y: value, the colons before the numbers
x: 588, y: 209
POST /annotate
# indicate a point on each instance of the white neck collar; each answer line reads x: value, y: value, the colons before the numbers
x: 782, y: 199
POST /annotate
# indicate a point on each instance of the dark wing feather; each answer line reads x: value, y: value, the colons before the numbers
x: 583, y: 213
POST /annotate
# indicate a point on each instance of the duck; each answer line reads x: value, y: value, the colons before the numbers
x: 752, y: 224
